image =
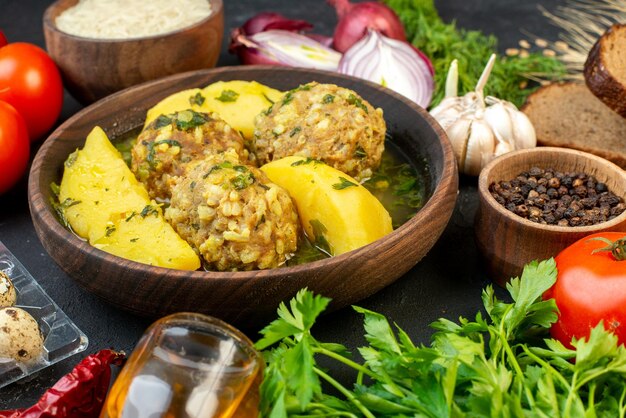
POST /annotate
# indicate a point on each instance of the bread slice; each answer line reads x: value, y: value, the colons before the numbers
x: 569, y: 115
x: 605, y: 68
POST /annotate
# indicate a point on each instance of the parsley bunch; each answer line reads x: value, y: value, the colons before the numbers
x: 500, y: 365
x: 443, y: 42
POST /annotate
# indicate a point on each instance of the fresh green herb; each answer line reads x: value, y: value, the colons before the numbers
x: 294, y: 131
x: 162, y: 121
x: 228, y: 96
x: 110, y: 229
x: 195, y: 226
x: 288, y: 97
x: 55, y: 188
x: 192, y: 185
x: 131, y: 216
x: 442, y: 42
x: 328, y: 98
x: 241, y: 168
x: 198, y: 99
x: 267, y: 111
x: 71, y: 159
x: 61, y: 207
x: 150, y: 158
x: 268, y: 99
x: 134, y: 239
x: 353, y: 100
x: 319, y: 239
x: 500, y: 365
x: 307, y: 160
x: 242, y: 181
x: 149, y: 210
x: 225, y: 164
x: 189, y: 119
x: 344, y: 183
x: 360, y: 152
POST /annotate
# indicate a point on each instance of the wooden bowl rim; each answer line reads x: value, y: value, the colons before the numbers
x: 483, y: 189
x: 447, y: 180
x: 217, y: 11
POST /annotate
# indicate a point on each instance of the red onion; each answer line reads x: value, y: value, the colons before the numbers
x: 242, y: 44
x: 356, y: 18
x: 392, y: 63
x: 268, y: 20
x: 293, y: 49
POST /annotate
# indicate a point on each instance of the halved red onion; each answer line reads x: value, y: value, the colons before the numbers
x: 268, y: 20
x: 391, y: 63
x: 355, y: 19
x: 295, y: 50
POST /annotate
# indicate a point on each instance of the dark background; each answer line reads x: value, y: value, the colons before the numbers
x: 447, y: 282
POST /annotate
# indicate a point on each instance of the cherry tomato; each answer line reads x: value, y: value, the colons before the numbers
x: 14, y: 146
x: 3, y: 39
x: 590, y: 287
x: 30, y: 82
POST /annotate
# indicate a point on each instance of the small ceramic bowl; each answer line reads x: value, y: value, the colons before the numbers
x: 94, y: 68
x: 508, y: 241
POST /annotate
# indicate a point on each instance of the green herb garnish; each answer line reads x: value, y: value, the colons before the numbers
x: 149, y: 210
x: 328, y: 98
x: 442, y: 42
x: 294, y: 131
x: 134, y: 239
x: 225, y: 164
x: 360, y: 152
x: 502, y: 364
x: 150, y: 158
x: 228, y: 96
x: 131, y: 216
x: 110, y: 229
x: 267, y: 98
x: 71, y: 159
x: 344, y: 183
x: 353, y: 100
x: 189, y: 119
x: 162, y: 121
x: 307, y: 160
x: 242, y: 181
x: 198, y: 99
x: 288, y: 97
x: 319, y: 239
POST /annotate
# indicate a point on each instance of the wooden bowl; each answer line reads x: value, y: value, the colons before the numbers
x: 243, y: 298
x: 94, y: 68
x: 508, y: 241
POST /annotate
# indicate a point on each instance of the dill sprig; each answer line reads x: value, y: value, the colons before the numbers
x: 442, y: 42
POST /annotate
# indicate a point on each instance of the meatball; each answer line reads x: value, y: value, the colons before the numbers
x: 323, y: 122
x: 233, y: 215
x: 169, y: 143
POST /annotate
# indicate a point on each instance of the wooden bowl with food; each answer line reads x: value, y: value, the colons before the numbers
x: 222, y: 206
x: 99, y: 52
x: 535, y: 202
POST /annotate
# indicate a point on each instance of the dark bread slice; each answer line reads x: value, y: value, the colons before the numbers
x: 605, y: 68
x: 569, y: 115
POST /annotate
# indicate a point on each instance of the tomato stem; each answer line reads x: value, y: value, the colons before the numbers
x: 617, y: 247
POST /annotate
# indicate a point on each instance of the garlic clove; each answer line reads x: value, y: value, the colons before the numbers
x: 523, y: 131
x: 459, y: 133
x: 480, y: 148
x: 498, y: 118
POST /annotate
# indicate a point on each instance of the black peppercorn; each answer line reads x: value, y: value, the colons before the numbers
x: 557, y: 198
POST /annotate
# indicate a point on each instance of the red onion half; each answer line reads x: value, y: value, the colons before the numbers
x: 356, y: 18
x: 295, y: 50
x: 391, y: 63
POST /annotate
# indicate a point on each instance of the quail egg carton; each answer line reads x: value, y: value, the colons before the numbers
x: 61, y: 337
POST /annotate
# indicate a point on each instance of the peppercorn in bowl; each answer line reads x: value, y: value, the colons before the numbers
x: 245, y: 297
x: 533, y: 203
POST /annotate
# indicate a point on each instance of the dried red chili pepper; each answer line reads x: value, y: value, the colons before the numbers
x: 79, y: 394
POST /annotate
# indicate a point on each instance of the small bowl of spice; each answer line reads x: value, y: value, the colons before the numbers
x: 102, y: 46
x: 535, y: 202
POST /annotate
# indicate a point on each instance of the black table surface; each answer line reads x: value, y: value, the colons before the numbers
x: 447, y: 282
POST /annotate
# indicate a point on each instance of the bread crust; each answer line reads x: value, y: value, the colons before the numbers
x: 599, y: 79
x: 558, y: 93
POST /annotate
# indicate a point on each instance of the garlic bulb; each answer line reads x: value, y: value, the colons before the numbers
x: 480, y: 128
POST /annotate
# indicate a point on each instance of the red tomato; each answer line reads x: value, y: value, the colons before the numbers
x: 30, y: 82
x: 3, y: 39
x: 590, y: 287
x: 14, y: 146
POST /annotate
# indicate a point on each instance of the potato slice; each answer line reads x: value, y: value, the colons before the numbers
x: 104, y: 203
x: 335, y: 210
x: 238, y: 102
x: 186, y: 99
